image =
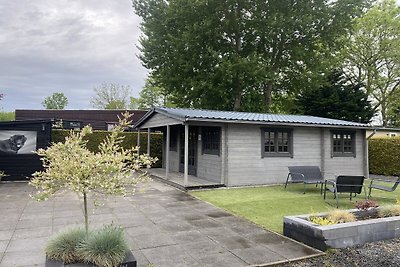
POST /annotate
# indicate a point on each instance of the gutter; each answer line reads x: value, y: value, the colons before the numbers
x: 372, y: 134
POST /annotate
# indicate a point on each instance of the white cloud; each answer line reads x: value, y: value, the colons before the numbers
x: 68, y: 46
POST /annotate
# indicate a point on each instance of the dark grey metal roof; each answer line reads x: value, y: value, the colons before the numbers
x: 233, y: 116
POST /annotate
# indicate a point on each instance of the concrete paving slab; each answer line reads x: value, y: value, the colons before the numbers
x: 224, y: 259
x: 153, y: 240
x: 6, y: 234
x: 257, y: 255
x: 28, y: 244
x: 168, y: 256
x: 3, y: 246
x: 163, y: 226
x: 22, y: 258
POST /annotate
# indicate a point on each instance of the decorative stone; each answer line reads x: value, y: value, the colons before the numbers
x: 340, y: 235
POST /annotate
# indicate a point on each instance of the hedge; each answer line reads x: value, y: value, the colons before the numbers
x: 384, y: 156
x: 130, y: 140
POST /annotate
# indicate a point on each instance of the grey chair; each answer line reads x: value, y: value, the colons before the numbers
x: 305, y: 175
x: 345, y: 184
x: 382, y: 187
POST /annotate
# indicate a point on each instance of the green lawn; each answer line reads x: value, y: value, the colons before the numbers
x: 267, y: 205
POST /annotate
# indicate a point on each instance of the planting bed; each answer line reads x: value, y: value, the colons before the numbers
x: 130, y: 261
x: 341, y: 235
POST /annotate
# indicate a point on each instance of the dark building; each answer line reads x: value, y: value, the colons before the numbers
x: 98, y: 119
x: 18, y: 141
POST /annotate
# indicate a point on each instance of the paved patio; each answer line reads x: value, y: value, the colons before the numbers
x: 163, y: 225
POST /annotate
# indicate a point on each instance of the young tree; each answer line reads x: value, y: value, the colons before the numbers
x: 221, y: 54
x: 372, y: 54
x: 150, y: 96
x: 111, y: 96
x: 72, y: 166
x: 337, y: 100
x: 55, y: 101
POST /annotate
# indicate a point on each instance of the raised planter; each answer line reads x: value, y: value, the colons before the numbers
x: 129, y: 261
x: 340, y: 235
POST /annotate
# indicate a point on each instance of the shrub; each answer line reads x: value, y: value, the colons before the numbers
x: 341, y: 216
x: 389, y: 210
x: 320, y: 220
x: 129, y: 141
x: 366, y: 204
x: 105, y: 247
x: 63, y: 245
x: 383, y: 156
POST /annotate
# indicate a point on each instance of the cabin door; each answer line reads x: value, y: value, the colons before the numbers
x: 192, y: 165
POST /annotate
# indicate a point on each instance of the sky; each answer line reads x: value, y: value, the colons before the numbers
x: 68, y: 46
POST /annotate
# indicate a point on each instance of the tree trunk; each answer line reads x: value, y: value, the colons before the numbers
x: 238, y: 93
x: 267, y: 96
x: 383, y: 114
x: 85, y: 213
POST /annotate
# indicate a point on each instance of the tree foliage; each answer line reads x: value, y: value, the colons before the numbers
x: 236, y: 54
x: 7, y: 115
x: 72, y: 166
x: 372, y: 54
x: 111, y: 96
x: 337, y: 100
x: 55, y: 101
x: 151, y: 96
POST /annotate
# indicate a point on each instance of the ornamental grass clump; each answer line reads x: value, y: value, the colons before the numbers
x: 105, y: 247
x: 64, y: 245
x: 341, y: 216
x: 389, y: 210
x: 112, y: 170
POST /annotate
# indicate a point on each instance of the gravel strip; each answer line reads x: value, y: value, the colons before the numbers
x: 381, y: 253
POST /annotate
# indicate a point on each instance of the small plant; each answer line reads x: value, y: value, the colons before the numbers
x: 63, y: 246
x: 2, y: 174
x: 366, y: 204
x: 105, y: 247
x: 341, y: 216
x: 320, y: 220
x: 389, y: 210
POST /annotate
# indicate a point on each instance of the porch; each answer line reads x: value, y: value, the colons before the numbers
x: 176, y: 179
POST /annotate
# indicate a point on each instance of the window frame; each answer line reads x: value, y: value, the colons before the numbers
x: 276, y: 153
x: 209, y: 151
x: 342, y: 153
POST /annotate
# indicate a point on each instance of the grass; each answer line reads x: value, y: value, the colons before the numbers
x: 267, y: 205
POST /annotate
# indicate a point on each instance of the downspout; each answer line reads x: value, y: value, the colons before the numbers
x: 367, y: 152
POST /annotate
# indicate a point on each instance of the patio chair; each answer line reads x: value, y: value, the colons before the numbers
x: 305, y: 175
x: 345, y: 184
x: 382, y: 187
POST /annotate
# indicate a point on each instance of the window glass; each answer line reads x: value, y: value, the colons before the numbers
x: 277, y: 142
x: 343, y: 143
x: 211, y: 140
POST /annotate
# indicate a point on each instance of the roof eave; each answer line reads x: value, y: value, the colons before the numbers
x: 158, y: 110
x: 280, y: 123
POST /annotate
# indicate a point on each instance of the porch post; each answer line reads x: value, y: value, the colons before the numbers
x: 223, y: 155
x: 186, y: 160
x: 167, y: 152
x: 148, y: 141
x: 322, y: 136
x: 138, y: 140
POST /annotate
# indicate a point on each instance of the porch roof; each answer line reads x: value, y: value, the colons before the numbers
x: 187, y: 115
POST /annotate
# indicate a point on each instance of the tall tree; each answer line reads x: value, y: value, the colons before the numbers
x: 372, y: 54
x: 226, y: 54
x: 150, y: 96
x: 337, y: 100
x: 55, y: 101
x: 111, y: 96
